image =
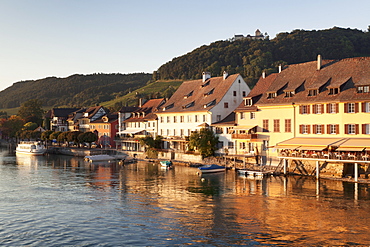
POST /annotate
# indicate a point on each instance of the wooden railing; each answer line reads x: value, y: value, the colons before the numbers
x: 244, y: 136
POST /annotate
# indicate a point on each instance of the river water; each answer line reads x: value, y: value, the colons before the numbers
x: 63, y: 201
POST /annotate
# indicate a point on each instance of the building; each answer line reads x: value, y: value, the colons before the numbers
x: 142, y: 122
x: 197, y: 104
x: 311, y: 107
x: 124, y: 113
x: 257, y: 36
x: 80, y: 120
x: 106, y: 129
x: 58, y: 118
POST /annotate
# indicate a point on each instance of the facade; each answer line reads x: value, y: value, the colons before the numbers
x: 199, y: 103
x: 87, y: 116
x: 314, y: 106
x: 58, y: 118
x: 257, y: 36
x: 142, y: 122
x: 106, y: 129
x: 124, y: 113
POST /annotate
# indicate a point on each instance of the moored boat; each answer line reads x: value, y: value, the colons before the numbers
x: 212, y: 168
x: 30, y: 148
x: 166, y: 163
x: 99, y: 157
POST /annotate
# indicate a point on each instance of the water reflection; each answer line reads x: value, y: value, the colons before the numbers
x: 144, y: 204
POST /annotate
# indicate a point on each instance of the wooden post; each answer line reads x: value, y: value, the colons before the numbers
x: 317, y: 169
x: 285, y: 166
x: 356, y: 172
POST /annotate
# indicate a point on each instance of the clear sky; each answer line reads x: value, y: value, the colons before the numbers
x: 40, y: 38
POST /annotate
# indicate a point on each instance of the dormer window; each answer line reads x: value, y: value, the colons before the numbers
x: 205, y: 84
x: 168, y: 107
x: 333, y: 91
x: 312, y: 92
x: 188, y: 95
x: 363, y: 89
x: 248, y: 102
x: 209, y: 103
x: 209, y: 93
x: 189, y: 105
x: 289, y: 94
x: 271, y: 95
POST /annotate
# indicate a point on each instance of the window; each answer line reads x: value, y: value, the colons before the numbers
x: 168, y: 119
x: 242, y: 145
x: 242, y: 115
x: 168, y: 132
x: 218, y: 118
x: 317, y: 109
x: 161, y: 132
x: 289, y: 94
x: 333, y: 91
x: 363, y: 89
x: 181, y: 119
x: 244, y: 94
x: 230, y: 145
x: 318, y: 129
x: 351, y: 129
x: 288, y: 125
x: 196, y: 118
x: 304, y: 109
x: 209, y: 92
x: 218, y: 130
x: 161, y: 119
x: 188, y: 95
x: 312, y: 92
x: 366, y: 89
x: 234, y: 93
x: 271, y: 95
x: 252, y: 115
x: 276, y: 125
x: 333, y: 129
x: 305, y: 129
x: 181, y: 132
x: 189, y: 132
x: 174, y: 119
x: 226, y: 105
x: 174, y: 132
x: 220, y: 145
x: 366, y: 129
x: 366, y: 107
x: 189, y: 118
x: 351, y: 108
x: 332, y: 108
x: 204, y: 118
x: 248, y: 102
x: 265, y: 125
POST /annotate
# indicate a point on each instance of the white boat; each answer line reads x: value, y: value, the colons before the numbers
x: 212, y: 168
x: 31, y: 148
x: 99, y: 157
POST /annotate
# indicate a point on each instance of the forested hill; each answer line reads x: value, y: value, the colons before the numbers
x: 251, y: 57
x: 75, y: 90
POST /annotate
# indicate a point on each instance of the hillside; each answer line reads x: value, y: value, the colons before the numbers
x: 250, y: 57
x: 75, y: 90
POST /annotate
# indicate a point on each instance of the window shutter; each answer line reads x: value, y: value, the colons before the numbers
x: 308, y: 129
x: 300, y: 109
x: 346, y: 128
x: 314, y: 109
x: 336, y: 108
x: 346, y: 108
x: 356, y: 107
x: 357, y: 129
x: 323, y: 129
x: 363, y: 107
x: 308, y: 109
x: 337, y: 129
x: 363, y: 128
x: 301, y: 129
x: 327, y: 108
x: 328, y: 128
x: 314, y: 128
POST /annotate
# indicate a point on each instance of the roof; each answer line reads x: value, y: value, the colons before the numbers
x: 91, y: 111
x: 147, y: 111
x: 196, y: 95
x: 227, y: 121
x: 345, y: 75
x: 128, y: 109
x: 111, y: 117
x: 62, y: 112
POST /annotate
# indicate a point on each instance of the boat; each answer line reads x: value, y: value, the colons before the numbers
x: 252, y: 173
x: 212, y: 168
x: 30, y: 148
x: 166, y: 163
x: 99, y: 158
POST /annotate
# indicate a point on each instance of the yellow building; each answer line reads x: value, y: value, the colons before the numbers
x: 314, y: 108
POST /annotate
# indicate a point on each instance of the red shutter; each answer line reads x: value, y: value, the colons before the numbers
x: 363, y: 128
x: 308, y: 109
x: 328, y: 128
x: 301, y: 129
x: 337, y: 129
x: 327, y: 108
x: 308, y: 129
x: 346, y: 128
x: 345, y: 107
x: 363, y: 107
x: 314, y: 128
x: 356, y: 107
x: 314, y: 109
x: 357, y: 129
x: 323, y: 129
x: 300, y: 109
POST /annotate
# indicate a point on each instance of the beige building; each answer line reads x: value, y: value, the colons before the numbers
x: 314, y: 108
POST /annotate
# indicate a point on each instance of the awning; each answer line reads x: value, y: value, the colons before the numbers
x: 286, y: 147
x: 244, y: 127
x: 131, y: 131
x: 354, y: 144
x: 312, y: 148
x: 309, y: 143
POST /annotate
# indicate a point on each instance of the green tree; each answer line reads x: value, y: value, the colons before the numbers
x: 72, y: 136
x: 31, y: 111
x: 30, y: 126
x: 62, y: 137
x: 46, y: 135
x: 54, y: 135
x: 204, y: 141
x: 88, y: 137
x: 151, y: 145
x: 11, y: 126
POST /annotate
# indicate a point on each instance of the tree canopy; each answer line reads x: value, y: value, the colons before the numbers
x: 205, y: 141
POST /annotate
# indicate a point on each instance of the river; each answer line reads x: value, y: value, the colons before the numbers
x: 64, y: 201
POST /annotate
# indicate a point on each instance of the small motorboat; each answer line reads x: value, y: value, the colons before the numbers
x: 99, y: 158
x: 212, y: 168
x: 166, y: 163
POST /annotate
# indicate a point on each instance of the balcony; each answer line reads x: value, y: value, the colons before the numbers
x: 244, y: 136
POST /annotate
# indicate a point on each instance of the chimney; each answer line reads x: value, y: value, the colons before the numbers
x: 140, y: 102
x: 280, y: 68
x: 206, y: 76
x: 263, y: 74
x: 225, y: 75
x: 319, y: 62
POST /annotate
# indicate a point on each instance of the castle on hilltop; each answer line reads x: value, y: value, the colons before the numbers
x: 258, y: 35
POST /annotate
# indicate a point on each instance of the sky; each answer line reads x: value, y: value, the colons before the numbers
x: 42, y: 38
